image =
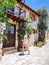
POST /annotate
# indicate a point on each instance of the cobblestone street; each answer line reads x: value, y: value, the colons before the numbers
x: 38, y: 56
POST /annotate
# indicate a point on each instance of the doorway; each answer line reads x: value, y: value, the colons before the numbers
x: 10, y: 42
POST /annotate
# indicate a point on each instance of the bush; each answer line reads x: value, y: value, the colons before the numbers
x: 39, y: 44
x: 23, y: 26
x: 29, y: 30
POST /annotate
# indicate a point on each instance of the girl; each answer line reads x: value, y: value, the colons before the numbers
x: 25, y: 45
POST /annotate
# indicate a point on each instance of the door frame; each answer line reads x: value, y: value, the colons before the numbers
x: 14, y: 36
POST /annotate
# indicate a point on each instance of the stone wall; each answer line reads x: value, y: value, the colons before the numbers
x: 1, y: 38
x: 33, y: 38
x: 16, y: 39
x: 47, y: 35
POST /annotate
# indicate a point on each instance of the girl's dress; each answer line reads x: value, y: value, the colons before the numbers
x: 25, y: 39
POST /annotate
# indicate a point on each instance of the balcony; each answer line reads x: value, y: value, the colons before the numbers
x: 16, y: 13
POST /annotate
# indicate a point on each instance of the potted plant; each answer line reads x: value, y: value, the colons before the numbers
x: 40, y: 43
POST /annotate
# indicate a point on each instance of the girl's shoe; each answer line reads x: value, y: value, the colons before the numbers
x: 21, y: 54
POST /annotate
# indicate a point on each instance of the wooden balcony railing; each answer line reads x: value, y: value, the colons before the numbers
x: 17, y: 12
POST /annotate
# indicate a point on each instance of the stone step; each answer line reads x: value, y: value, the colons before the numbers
x: 9, y: 50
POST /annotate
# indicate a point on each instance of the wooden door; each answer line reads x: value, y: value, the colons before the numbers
x: 10, y: 42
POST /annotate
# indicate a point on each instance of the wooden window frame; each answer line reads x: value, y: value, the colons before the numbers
x: 32, y: 16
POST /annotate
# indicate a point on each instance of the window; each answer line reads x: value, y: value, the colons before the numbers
x: 11, y: 11
x: 6, y: 31
x: 12, y: 29
x: 27, y: 14
x: 16, y: 11
x: 32, y: 16
x: 22, y: 13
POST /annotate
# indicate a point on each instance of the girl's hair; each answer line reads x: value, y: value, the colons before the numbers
x: 27, y: 34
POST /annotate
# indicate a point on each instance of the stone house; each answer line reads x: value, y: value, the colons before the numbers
x: 17, y: 15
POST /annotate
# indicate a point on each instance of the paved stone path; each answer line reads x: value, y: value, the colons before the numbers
x: 38, y: 56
